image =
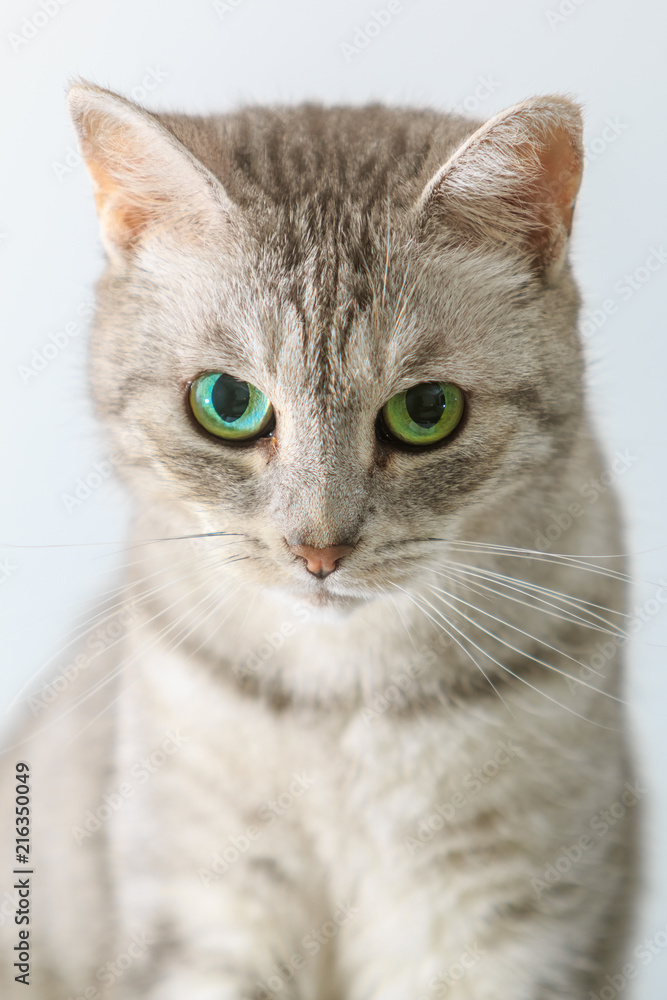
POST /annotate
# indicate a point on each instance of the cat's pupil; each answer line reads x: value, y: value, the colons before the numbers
x: 425, y: 403
x: 230, y: 398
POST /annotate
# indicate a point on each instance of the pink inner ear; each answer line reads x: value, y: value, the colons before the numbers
x: 123, y: 218
x: 514, y: 182
x: 555, y: 176
x: 561, y: 165
x: 548, y: 172
x: 134, y: 190
x: 125, y: 204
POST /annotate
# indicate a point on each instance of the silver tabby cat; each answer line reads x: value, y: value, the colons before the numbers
x: 337, y: 735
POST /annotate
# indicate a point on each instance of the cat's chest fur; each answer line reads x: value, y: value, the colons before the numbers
x: 330, y: 793
x: 376, y: 824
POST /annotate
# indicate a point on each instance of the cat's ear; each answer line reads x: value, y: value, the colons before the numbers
x: 144, y: 179
x: 513, y: 182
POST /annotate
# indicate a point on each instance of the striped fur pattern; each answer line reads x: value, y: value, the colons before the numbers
x: 386, y: 784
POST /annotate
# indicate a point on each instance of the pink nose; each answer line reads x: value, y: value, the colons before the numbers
x: 321, y: 562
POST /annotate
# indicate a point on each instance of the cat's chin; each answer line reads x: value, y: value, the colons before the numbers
x: 324, y: 605
x: 335, y: 605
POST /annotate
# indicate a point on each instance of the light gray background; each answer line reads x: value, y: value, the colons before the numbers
x: 200, y: 56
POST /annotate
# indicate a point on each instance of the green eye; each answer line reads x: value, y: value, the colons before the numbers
x: 424, y: 414
x: 229, y: 408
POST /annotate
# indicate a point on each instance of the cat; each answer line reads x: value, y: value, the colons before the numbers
x: 337, y: 734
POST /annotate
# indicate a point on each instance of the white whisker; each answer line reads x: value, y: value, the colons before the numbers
x: 521, y: 586
x: 556, y: 558
x: 445, y: 629
x: 108, y: 613
x: 507, y: 670
x: 535, y: 659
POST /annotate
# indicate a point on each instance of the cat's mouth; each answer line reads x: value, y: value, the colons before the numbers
x: 357, y: 579
x: 336, y: 590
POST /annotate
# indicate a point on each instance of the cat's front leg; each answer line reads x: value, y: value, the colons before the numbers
x: 219, y: 984
x: 516, y: 887
x: 240, y: 939
x: 237, y: 962
x: 485, y: 928
x: 221, y: 931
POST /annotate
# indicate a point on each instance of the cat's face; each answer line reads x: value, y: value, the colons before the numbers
x: 331, y: 301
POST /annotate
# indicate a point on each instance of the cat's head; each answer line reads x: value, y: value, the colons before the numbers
x: 336, y: 334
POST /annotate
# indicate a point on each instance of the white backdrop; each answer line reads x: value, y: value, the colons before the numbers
x: 205, y: 55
